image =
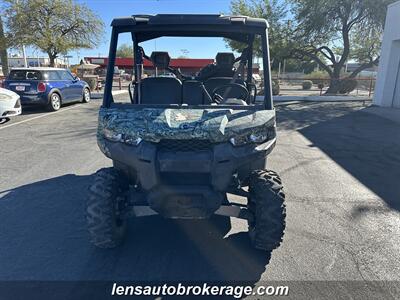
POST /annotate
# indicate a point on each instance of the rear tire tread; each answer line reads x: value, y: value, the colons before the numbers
x: 108, y: 187
x: 267, y: 204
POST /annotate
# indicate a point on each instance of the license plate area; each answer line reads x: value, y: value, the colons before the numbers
x: 20, y: 88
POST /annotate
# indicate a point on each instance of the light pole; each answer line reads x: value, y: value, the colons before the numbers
x: 68, y: 57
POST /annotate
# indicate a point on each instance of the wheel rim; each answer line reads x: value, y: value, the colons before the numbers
x: 55, y: 101
x: 87, y: 95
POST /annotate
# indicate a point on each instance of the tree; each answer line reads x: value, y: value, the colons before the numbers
x: 330, y: 33
x: 333, y: 32
x: 3, y: 49
x: 125, y: 50
x: 54, y: 26
x: 275, y: 12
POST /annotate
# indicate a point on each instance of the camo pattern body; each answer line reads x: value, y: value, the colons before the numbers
x: 154, y: 124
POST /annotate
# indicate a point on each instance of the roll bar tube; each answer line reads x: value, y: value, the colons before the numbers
x: 108, y: 98
x: 267, y: 72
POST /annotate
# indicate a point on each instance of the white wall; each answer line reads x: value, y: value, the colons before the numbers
x: 17, y: 62
x: 387, y: 91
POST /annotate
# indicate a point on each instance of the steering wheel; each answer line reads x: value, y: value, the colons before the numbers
x: 222, y: 92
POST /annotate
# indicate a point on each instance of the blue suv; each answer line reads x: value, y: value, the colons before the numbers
x: 50, y: 87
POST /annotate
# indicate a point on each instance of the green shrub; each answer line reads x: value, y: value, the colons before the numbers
x: 307, y: 84
x: 365, y: 83
x: 346, y: 86
x: 318, y: 77
x: 275, y: 87
x: 92, y: 82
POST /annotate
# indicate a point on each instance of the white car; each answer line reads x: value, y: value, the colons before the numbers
x: 10, y: 104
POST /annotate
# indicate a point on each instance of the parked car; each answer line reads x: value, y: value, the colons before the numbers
x: 50, y: 87
x: 10, y: 104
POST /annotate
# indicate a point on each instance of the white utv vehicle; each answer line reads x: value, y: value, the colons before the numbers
x: 182, y: 143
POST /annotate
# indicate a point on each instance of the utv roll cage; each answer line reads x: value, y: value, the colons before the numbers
x: 148, y: 27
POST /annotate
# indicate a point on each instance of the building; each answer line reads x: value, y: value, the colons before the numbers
x: 387, y: 91
x: 18, y: 62
x: 351, y: 67
x: 189, y: 66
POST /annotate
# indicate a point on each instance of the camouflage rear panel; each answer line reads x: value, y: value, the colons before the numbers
x: 154, y: 124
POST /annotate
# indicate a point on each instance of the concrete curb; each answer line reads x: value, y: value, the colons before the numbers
x: 114, y: 93
x: 320, y: 98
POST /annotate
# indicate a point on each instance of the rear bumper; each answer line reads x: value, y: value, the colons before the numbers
x: 214, y: 168
x: 34, y: 99
x: 186, y: 184
x: 184, y: 202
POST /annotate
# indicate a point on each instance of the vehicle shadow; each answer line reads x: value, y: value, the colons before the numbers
x: 365, y: 145
x: 38, y: 109
x: 4, y: 120
x: 44, y: 237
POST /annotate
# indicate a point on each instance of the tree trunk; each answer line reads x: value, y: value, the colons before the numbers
x: 3, y: 50
x: 52, y: 58
x: 335, y: 82
x: 334, y: 87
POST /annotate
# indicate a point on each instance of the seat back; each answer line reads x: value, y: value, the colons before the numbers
x: 193, y: 93
x: 161, y: 90
x: 223, y: 67
x: 224, y: 62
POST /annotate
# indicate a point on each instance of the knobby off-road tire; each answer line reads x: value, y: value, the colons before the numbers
x: 267, y: 204
x: 107, y: 196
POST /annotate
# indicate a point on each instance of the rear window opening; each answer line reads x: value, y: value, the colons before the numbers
x: 25, y: 75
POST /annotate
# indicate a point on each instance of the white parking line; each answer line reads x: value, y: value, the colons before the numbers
x: 41, y: 116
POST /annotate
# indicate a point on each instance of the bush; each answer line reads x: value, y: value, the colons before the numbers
x: 318, y: 77
x: 275, y: 87
x: 307, y: 84
x: 92, y: 82
x: 321, y: 85
x: 346, y: 86
x: 365, y: 83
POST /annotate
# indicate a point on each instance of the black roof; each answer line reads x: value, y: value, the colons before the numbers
x: 147, y: 27
x: 187, y: 19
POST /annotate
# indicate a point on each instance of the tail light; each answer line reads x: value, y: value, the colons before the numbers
x: 41, y: 87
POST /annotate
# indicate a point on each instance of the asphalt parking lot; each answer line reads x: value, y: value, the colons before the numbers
x: 340, y: 166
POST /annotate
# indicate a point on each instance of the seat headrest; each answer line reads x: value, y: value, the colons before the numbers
x: 160, y: 59
x: 225, y: 59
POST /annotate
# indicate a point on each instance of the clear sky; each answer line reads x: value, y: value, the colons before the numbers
x: 107, y: 10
